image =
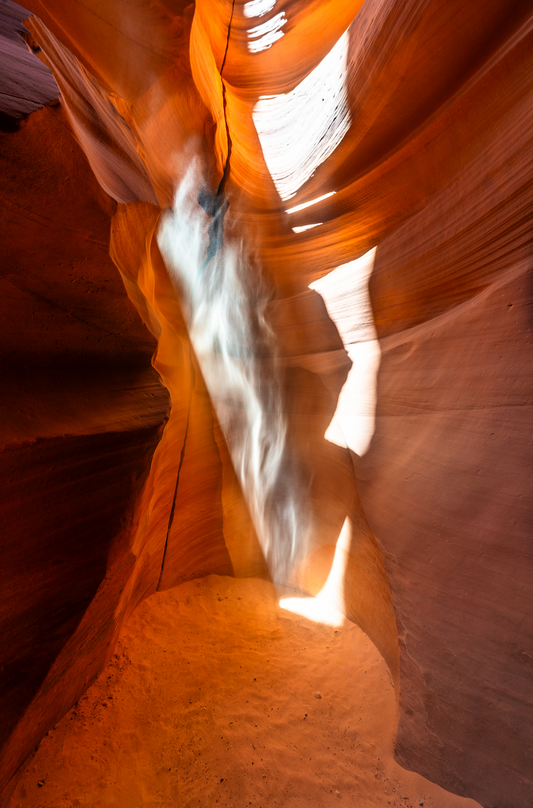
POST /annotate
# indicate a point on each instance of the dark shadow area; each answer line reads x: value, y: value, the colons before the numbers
x: 81, y: 415
x: 9, y: 124
x: 64, y: 502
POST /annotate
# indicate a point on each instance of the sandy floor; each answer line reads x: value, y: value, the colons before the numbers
x: 216, y: 695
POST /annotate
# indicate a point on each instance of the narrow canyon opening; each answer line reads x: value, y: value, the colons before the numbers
x: 266, y: 403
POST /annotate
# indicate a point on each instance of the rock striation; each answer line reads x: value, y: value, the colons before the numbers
x: 408, y: 127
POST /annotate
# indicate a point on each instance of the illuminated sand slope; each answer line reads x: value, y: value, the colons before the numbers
x: 365, y: 171
x: 216, y: 696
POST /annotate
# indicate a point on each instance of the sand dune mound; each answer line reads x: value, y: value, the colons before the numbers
x: 216, y: 695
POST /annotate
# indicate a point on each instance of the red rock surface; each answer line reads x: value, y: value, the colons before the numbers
x: 434, y: 169
x: 81, y: 414
x: 26, y: 83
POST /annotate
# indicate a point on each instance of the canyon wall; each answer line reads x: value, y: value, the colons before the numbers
x: 412, y: 123
x: 82, y: 411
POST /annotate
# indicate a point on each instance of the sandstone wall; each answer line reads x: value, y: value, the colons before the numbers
x: 434, y: 170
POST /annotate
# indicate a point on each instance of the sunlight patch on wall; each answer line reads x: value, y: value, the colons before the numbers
x: 305, y: 227
x: 314, y: 609
x: 328, y: 606
x: 263, y: 36
x: 258, y: 8
x: 304, y: 205
x: 345, y: 293
x: 300, y: 129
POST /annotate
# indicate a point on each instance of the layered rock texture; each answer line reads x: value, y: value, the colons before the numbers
x: 409, y: 125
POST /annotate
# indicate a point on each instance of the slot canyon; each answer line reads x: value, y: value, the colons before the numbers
x: 266, y: 294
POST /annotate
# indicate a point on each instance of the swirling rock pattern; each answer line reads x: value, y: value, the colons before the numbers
x: 432, y: 111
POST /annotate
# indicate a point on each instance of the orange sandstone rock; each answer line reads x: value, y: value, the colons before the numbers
x: 432, y: 167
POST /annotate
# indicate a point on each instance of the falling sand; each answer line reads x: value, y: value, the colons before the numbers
x: 216, y: 695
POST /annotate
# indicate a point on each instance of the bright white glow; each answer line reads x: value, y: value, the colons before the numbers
x: 258, y: 8
x: 311, y: 202
x: 328, y: 606
x: 333, y: 590
x: 236, y: 349
x: 300, y: 129
x: 305, y: 227
x: 263, y: 36
x: 314, y: 609
x: 345, y: 292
